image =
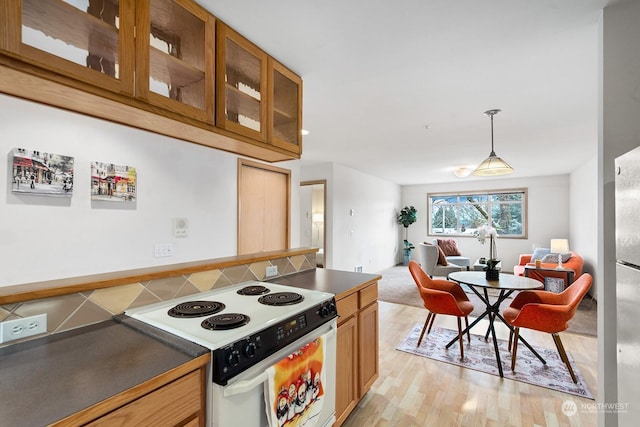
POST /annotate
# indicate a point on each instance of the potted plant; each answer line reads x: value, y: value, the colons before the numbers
x: 407, y: 216
x: 487, y: 232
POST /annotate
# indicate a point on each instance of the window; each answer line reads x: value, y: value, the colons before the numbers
x: 460, y: 214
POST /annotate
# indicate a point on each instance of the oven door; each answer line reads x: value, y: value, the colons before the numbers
x: 242, y: 401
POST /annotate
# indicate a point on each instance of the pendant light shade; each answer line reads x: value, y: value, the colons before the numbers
x: 492, y: 165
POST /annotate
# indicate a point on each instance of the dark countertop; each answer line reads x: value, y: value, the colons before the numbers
x: 340, y: 283
x: 50, y: 378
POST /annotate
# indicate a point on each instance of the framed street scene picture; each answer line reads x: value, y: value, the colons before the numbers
x: 40, y: 173
x: 554, y: 284
x: 113, y: 183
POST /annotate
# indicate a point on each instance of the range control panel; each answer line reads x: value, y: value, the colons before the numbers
x: 239, y: 356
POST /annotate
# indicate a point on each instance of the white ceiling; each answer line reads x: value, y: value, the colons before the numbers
x: 377, y: 72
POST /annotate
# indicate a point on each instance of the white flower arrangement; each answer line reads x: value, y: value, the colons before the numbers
x: 487, y: 232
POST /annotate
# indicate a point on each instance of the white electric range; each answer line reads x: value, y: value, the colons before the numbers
x: 248, y: 328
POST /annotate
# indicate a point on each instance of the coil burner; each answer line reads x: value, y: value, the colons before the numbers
x: 191, y: 309
x: 225, y: 321
x: 281, y: 298
x: 254, y: 290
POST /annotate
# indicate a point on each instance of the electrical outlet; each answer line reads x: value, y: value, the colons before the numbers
x: 161, y: 250
x: 22, y: 328
x: 357, y: 269
x: 272, y: 270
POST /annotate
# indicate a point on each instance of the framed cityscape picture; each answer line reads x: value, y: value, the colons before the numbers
x: 113, y: 183
x: 40, y: 173
x: 554, y: 284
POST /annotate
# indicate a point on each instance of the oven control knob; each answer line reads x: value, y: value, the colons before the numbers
x: 249, y: 349
x: 327, y: 310
x: 332, y: 308
x: 233, y: 358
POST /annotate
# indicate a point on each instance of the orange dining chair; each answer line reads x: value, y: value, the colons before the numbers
x: 441, y: 297
x: 546, y: 312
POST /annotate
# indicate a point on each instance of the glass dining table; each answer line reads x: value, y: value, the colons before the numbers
x: 505, y: 285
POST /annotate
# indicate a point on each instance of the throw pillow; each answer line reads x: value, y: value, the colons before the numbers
x: 553, y: 258
x: 442, y: 259
x: 449, y: 247
x: 539, y: 253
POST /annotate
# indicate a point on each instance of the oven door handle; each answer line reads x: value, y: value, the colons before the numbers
x: 246, y: 385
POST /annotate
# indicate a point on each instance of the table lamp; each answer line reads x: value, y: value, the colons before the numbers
x: 559, y: 246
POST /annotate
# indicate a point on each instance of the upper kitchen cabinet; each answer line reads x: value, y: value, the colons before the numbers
x: 241, y: 70
x: 175, y: 57
x: 87, y: 40
x: 284, y: 107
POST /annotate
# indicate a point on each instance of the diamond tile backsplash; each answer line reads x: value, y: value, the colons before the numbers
x: 85, y: 308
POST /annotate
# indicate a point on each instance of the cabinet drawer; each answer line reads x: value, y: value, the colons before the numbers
x: 169, y: 405
x: 347, y: 307
x: 368, y: 295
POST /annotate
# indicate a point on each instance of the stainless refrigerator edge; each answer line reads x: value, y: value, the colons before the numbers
x: 627, y: 185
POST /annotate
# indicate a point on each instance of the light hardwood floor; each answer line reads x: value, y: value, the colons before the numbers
x: 417, y: 391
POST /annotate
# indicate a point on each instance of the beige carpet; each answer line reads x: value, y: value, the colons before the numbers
x: 397, y: 286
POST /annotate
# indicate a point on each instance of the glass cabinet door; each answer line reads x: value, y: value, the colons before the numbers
x: 175, y: 64
x: 285, y: 108
x: 242, y: 85
x: 88, y: 40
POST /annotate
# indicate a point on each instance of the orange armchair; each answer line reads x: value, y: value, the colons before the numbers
x: 546, y: 312
x: 441, y: 297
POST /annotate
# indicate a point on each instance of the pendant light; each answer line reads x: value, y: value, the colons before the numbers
x: 492, y: 165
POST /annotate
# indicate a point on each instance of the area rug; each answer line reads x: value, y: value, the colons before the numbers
x: 480, y: 356
x: 397, y: 286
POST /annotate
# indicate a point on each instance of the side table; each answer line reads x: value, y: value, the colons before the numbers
x: 541, y: 274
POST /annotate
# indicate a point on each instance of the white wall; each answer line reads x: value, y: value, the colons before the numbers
x: 44, y: 238
x: 583, y: 197
x: 548, y: 211
x: 369, y: 237
x: 619, y: 133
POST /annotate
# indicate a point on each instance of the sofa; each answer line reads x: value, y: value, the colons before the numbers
x: 571, y: 261
x: 432, y: 261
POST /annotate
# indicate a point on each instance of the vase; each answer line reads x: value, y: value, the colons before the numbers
x: 407, y: 256
x: 491, y: 272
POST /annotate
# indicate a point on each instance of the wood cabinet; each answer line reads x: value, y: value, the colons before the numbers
x: 357, y: 349
x: 171, y: 405
x: 347, y: 358
x: 166, y: 66
x: 176, y: 398
x: 92, y: 45
x: 241, y: 68
x: 175, y: 56
x: 257, y: 96
x: 284, y: 108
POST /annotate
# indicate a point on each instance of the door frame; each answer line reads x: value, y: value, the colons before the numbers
x: 322, y: 182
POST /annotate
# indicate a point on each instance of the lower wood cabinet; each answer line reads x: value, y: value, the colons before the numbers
x: 357, y: 358
x: 171, y: 405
